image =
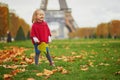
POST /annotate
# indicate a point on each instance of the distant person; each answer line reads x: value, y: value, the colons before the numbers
x: 8, y: 36
x: 40, y: 32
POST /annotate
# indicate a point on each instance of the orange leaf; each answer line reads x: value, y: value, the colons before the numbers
x: 39, y: 74
x: 7, y: 76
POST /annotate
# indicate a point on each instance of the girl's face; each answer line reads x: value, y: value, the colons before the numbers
x: 40, y: 16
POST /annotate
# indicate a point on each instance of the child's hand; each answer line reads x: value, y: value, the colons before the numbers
x: 36, y: 40
x: 49, y: 39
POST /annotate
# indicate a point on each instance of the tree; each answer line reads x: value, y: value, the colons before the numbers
x: 4, y: 20
x: 25, y: 26
x: 20, y: 34
x: 28, y: 35
x: 114, y: 27
x: 102, y: 30
x: 13, y: 24
x: 85, y: 32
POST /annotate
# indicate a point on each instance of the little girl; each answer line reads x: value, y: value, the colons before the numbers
x: 40, y: 32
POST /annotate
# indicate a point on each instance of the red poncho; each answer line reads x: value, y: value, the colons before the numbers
x: 41, y: 31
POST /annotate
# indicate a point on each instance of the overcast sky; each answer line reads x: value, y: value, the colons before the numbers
x: 85, y: 12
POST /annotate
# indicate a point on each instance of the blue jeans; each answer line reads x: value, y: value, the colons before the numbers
x: 37, y: 53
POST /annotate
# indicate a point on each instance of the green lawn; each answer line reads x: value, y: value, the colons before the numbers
x: 82, y: 59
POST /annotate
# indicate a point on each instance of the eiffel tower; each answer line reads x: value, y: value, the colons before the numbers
x: 62, y: 16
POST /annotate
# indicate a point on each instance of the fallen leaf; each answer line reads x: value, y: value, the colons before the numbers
x: 117, y: 73
x: 84, y: 68
x: 64, y: 71
x: 7, y: 76
x: 39, y: 74
x: 30, y: 79
x: 14, y: 72
x: 47, y: 72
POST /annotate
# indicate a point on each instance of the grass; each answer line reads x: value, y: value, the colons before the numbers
x: 100, y: 60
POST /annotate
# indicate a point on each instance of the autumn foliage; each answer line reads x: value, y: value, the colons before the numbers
x: 4, y: 20
x: 114, y: 28
x: 15, y: 23
x: 103, y: 30
x: 16, y: 54
x: 72, y: 58
x: 9, y: 21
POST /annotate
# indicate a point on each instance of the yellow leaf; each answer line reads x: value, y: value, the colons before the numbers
x: 7, y: 76
x: 47, y: 72
x: 30, y: 79
x: 39, y: 74
x: 84, y: 68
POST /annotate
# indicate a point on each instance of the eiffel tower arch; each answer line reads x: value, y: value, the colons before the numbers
x: 63, y: 17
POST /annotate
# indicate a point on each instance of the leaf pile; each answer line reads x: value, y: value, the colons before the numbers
x: 47, y: 73
x: 6, y: 55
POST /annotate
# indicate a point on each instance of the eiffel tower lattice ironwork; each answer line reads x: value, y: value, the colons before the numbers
x: 62, y: 16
